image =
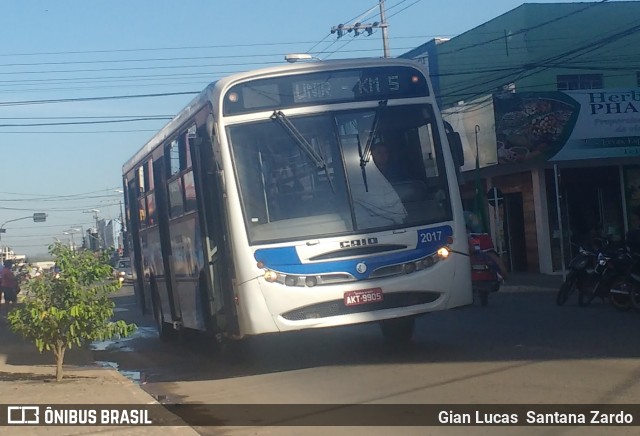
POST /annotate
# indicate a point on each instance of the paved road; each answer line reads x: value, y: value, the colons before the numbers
x: 519, y: 349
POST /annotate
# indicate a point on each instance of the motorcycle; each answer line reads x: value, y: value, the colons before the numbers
x: 585, y: 274
x: 613, y: 270
x: 487, y: 271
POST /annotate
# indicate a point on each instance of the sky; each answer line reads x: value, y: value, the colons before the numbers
x: 74, y: 73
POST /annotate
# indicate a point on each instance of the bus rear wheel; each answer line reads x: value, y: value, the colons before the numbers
x: 398, y: 330
x: 165, y: 331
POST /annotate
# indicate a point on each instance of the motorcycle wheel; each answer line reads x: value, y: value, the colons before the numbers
x: 566, y: 289
x: 620, y: 301
x: 634, y: 296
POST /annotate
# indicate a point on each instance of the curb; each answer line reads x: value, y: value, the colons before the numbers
x: 526, y: 288
x: 135, y: 390
x: 177, y: 424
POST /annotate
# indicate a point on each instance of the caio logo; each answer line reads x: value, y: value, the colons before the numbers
x: 23, y: 415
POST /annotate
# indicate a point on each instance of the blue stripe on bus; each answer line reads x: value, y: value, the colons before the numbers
x: 286, y: 260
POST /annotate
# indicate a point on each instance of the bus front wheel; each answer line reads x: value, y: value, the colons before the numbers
x: 398, y: 330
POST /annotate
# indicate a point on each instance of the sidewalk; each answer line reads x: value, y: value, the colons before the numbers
x: 28, y: 377
x: 526, y: 281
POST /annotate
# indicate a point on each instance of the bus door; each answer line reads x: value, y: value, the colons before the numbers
x: 218, y: 290
x: 159, y: 173
x: 133, y: 227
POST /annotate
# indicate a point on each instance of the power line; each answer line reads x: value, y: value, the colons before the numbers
x: 73, y: 132
x: 110, y: 97
x: 71, y: 117
x: 83, y: 123
x: 53, y: 209
x: 182, y: 48
x: 61, y: 196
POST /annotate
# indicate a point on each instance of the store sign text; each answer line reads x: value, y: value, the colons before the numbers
x: 614, y: 103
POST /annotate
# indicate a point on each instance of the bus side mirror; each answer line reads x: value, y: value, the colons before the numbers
x: 455, y: 143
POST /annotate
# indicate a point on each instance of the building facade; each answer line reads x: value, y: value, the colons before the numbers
x: 548, y: 97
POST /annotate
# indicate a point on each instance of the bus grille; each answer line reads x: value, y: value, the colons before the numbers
x: 337, y: 307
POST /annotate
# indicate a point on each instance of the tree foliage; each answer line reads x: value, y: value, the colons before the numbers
x: 69, y: 308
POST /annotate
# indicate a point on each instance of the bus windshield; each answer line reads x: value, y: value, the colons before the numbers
x: 340, y: 172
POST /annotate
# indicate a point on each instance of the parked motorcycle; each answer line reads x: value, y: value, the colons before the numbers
x: 581, y: 275
x: 613, y: 269
x: 487, y: 271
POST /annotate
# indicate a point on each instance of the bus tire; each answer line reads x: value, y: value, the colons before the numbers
x: 398, y: 330
x: 165, y: 332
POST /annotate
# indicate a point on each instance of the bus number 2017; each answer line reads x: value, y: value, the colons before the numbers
x: 431, y: 236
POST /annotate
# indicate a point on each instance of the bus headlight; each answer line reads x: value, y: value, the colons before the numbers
x: 291, y: 280
x: 270, y: 276
x: 409, y: 268
x: 443, y: 252
x: 428, y: 262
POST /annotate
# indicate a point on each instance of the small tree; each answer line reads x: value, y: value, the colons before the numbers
x: 71, y: 307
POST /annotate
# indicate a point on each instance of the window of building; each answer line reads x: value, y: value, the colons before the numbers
x: 638, y: 79
x: 570, y: 82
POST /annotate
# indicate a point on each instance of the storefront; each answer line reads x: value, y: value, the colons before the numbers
x: 567, y: 163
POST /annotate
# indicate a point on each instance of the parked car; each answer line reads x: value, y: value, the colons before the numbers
x: 123, y: 270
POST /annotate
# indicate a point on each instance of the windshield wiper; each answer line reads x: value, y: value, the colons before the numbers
x: 365, y: 154
x: 304, y: 145
x: 363, y: 162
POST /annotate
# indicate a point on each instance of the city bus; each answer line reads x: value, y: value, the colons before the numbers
x: 263, y: 206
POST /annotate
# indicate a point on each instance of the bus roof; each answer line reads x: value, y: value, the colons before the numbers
x: 217, y: 87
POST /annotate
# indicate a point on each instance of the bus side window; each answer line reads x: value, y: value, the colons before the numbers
x: 181, y: 186
x: 176, y: 201
x: 189, y: 192
x: 142, y: 211
x: 151, y: 209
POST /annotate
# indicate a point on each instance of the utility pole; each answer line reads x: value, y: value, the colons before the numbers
x: 123, y: 233
x: 385, y: 36
x: 359, y: 27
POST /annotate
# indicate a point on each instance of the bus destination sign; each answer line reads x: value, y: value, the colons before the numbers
x: 346, y: 86
x: 336, y: 86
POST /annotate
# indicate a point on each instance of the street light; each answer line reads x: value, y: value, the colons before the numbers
x: 38, y: 217
x: 73, y: 242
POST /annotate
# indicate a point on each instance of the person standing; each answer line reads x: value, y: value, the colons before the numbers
x: 8, y: 284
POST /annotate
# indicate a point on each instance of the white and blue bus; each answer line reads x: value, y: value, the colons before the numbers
x: 302, y: 196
